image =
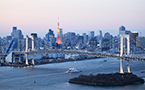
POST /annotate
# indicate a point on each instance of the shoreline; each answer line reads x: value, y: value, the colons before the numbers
x: 43, y: 61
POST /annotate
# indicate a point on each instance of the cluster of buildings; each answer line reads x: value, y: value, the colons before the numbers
x: 73, y: 41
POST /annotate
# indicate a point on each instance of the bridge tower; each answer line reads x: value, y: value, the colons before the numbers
x: 122, y: 36
x: 27, y: 47
x: 58, y: 40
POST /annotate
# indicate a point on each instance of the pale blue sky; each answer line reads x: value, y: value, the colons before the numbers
x: 74, y: 15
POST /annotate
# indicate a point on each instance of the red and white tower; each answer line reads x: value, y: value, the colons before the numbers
x: 58, y: 40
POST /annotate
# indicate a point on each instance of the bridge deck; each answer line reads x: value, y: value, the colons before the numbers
x: 99, y: 54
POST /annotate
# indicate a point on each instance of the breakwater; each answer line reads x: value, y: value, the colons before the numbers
x: 113, y: 79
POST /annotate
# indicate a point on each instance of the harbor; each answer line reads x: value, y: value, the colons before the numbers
x: 53, y: 76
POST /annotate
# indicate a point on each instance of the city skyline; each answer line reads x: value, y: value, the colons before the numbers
x: 86, y: 15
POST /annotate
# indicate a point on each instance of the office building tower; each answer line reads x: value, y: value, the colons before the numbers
x: 9, y: 38
x: 91, y: 34
x: 85, y: 38
x: 105, y: 44
x: 122, y: 30
x: 17, y: 34
x: 61, y: 34
x: 140, y: 42
x: 21, y: 45
x: 49, y: 35
x: 80, y: 39
x: 0, y: 46
x: 133, y: 38
x: 108, y: 37
x: 36, y: 41
x: 93, y: 43
x: 116, y: 42
x: 13, y: 31
x: 34, y: 35
x: 99, y: 38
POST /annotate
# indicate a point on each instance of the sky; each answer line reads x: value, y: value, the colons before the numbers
x: 80, y: 16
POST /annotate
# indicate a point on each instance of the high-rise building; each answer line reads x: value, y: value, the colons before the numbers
x: 80, y: 39
x: 13, y: 31
x: 9, y: 38
x: 61, y: 34
x: 133, y: 38
x: 85, y: 38
x: 34, y: 35
x: 107, y: 35
x: 116, y: 44
x: 50, y: 37
x: 36, y: 41
x: 17, y: 34
x: 140, y: 42
x: 91, y: 34
x: 21, y: 45
x: 99, y: 38
x: 0, y: 46
x: 69, y: 39
x: 109, y: 38
x: 122, y: 30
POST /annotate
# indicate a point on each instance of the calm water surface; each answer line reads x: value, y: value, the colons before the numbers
x: 54, y: 77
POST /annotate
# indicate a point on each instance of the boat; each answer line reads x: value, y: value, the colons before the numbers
x: 142, y: 71
x: 73, y: 70
x: 105, y: 60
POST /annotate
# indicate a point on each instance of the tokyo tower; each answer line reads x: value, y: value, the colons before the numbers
x: 58, y: 41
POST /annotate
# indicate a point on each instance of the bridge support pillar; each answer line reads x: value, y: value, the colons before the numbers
x: 33, y: 59
x: 27, y: 44
x: 121, y: 66
x: 20, y: 58
x: 13, y: 59
x: 121, y: 47
x: 128, y: 68
x: 27, y: 59
x: 32, y: 43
